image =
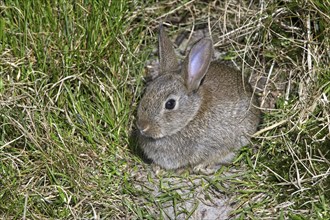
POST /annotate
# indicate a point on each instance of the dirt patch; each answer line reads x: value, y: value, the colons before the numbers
x: 189, y: 196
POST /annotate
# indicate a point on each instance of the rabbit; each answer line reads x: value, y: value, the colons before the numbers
x: 195, y: 115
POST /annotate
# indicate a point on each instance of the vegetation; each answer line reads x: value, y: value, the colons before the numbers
x: 71, y: 74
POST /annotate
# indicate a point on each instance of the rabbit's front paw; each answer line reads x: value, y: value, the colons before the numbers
x: 156, y: 169
x: 206, y: 169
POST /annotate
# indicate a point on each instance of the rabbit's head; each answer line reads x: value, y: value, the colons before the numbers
x: 171, y: 99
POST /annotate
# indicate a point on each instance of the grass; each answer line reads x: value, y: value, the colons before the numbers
x: 71, y: 74
x: 68, y: 83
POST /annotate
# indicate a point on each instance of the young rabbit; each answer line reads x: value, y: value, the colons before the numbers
x: 196, y: 115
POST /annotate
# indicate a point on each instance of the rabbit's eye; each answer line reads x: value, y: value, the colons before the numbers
x: 170, y: 104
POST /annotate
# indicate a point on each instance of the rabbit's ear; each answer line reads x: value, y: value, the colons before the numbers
x: 167, y: 57
x: 197, y: 63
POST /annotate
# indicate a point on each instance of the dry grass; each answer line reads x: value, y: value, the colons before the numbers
x: 70, y: 77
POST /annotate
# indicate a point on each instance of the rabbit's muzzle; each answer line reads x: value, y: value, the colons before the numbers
x: 143, y: 127
x: 148, y: 130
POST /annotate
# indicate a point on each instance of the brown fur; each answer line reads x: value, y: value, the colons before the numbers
x: 212, y: 118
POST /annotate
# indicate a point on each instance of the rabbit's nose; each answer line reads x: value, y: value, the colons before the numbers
x: 143, y: 126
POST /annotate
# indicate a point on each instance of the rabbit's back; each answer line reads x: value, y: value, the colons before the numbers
x: 230, y: 102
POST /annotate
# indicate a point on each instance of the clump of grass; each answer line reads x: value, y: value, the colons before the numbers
x: 298, y: 147
x: 69, y: 72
